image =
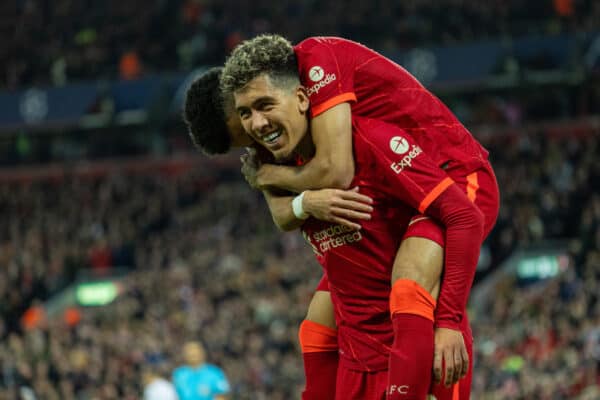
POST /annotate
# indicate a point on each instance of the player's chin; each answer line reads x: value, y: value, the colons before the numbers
x: 282, y: 155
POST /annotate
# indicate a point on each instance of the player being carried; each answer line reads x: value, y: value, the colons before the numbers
x: 343, y: 79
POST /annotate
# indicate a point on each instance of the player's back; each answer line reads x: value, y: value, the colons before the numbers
x: 359, y: 263
x: 337, y: 70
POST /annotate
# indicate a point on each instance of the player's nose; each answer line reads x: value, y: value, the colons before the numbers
x: 259, y: 122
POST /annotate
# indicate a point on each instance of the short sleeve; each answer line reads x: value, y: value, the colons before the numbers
x: 327, y: 74
x: 221, y: 384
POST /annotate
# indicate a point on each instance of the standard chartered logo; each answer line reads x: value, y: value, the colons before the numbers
x: 334, y: 236
x: 314, y: 248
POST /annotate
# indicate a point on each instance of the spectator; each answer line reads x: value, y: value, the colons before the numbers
x: 198, y: 380
x: 79, y: 40
x: 192, y: 224
x: 130, y: 66
x: 157, y: 387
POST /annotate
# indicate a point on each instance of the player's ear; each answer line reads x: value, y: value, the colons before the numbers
x: 303, y: 100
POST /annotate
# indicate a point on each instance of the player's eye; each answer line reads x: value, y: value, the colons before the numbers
x: 244, y: 114
x: 266, y: 107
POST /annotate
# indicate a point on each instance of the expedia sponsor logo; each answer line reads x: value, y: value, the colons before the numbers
x: 406, y: 161
x: 399, y: 145
x: 316, y: 73
x: 332, y: 237
x: 314, y: 89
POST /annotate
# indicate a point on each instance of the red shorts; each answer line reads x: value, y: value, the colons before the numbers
x: 481, y: 188
x: 360, y: 385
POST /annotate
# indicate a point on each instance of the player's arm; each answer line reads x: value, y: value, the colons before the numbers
x: 333, y: 163
x: 464, y: 224
x: 280, y: 206
x: 344, y: 207
x: 340, y: 206
x: 221, y: 387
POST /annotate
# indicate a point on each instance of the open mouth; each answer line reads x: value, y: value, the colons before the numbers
x: 271, y: 137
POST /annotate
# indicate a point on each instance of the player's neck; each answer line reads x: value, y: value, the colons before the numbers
x: 306, y: 148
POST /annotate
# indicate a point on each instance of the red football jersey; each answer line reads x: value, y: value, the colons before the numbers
x: 336, y: 70
x: 393, y: 170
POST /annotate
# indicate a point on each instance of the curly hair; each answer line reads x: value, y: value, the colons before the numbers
x: 204, y: 114
x: 270, y: 54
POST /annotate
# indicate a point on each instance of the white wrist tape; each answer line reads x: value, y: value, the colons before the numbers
x: 297, y: 207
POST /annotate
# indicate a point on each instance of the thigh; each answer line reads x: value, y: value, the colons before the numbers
x: 420, y: 258
x: 320, y: 309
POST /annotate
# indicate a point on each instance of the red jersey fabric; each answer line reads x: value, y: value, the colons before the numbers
x: 392, y: 169
x: 337, y: 70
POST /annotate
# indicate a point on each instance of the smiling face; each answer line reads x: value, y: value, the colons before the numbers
x: 236, y: 132
x: 274, y: 114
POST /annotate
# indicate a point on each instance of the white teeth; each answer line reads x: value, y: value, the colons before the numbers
x: 271, y: 136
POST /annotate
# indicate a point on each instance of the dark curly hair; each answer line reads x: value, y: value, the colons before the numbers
x: 265, y: 54
x: 204, y: 114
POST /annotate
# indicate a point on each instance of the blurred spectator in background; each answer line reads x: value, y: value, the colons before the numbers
x: 198, y: 380
x: 50, y: 41
x: 130, y: 65
x: 156, y: 387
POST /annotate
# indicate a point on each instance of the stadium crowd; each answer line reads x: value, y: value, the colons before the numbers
x: 206, y: 262
x: 52, y: 42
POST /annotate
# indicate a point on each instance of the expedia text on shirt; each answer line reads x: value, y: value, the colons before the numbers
x: 406, y: 161
x: 314, y: 89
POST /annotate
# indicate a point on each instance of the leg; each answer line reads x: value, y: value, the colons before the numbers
x: 320, y: 309
x: 415, y: 285
x: 318, y: 341
x: 420, y: 260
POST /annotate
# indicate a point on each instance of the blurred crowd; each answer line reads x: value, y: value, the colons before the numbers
x: 207, y: 263
x: 51, y: 42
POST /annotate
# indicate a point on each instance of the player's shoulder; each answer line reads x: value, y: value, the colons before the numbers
x: 316, y: 42
x: 212, y: 369
x: 365, y: 125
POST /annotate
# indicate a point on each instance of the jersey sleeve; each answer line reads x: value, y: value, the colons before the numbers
x: 220, y: 382
x: 404, y: 171
x: 327, y: 76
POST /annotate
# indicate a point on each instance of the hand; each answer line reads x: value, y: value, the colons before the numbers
x: 250, y: 167
x: 451, y: 352
x: 338, y: 206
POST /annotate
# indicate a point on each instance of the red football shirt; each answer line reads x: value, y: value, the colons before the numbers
x: 338, y: 70
x: 392, y: 169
